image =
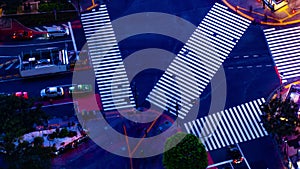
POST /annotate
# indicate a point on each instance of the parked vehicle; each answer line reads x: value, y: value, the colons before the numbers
x: 52, y: 92
x: 22, y: 35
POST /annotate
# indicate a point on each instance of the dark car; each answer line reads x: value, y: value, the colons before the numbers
x: 235, y: 155
x: 22, y: 35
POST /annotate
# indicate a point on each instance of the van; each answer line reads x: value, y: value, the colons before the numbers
x: 55, y: 32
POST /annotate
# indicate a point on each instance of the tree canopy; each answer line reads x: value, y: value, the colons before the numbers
x: 18, y: 117
x: 189, y: 153
x: 280, y: 117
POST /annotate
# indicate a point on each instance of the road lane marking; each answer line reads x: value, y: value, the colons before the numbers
x: 8, y: 67
x: 55, y: 104
x: 8, y: 56
x: 34, y: 44
x: 38, y: 29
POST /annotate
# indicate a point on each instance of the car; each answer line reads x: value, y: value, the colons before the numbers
x: 56, y: 32
x: 22, y: 35
x: 22, y: 95
x: 235, y: 154
x: 52, y: 92
x: 80, y: 89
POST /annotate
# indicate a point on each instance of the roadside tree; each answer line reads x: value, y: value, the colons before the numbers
x: 18, y: 117
x: 189, y: 153
x: 280, y: 118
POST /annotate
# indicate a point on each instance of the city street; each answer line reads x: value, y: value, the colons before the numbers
x: 248, y: 73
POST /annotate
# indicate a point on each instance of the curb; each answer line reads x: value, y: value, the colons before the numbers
x: 280, y: 86
x: 259, y: 20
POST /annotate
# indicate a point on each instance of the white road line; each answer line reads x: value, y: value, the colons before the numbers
x: 8, y: 67
x: 34, y: 44
x: 65, y: 25
x: 38, y: 29
x: 8, y: 57
x: 57, y: 104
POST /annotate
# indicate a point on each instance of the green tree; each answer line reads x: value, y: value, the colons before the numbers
x: 18, y: 117
x: 38, y: 141
x: 33, y: 157
x: 10, y: 6
x: 280, y: 117
x: 184, y: 151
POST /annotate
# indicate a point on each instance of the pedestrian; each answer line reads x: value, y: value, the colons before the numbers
x: 266, y: 17
x: 250, y: 9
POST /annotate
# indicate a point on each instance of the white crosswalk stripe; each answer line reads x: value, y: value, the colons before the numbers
x: 228, y: 127
x: 284, y: 45
x: 107, y: 62
x: 197, y: 62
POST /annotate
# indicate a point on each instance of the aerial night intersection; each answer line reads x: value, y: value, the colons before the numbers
x: 127, y: 75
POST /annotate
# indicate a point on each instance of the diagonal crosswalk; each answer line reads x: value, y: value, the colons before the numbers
x: 235, y: 125
x: 284, y: 45
x: 107, y: 62
x: 198, y: 61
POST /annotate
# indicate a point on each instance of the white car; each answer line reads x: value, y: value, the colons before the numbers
x: 55, y: 32
x: 51, y: 92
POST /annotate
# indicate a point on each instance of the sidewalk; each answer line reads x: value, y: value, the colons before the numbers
x: 254, y: 11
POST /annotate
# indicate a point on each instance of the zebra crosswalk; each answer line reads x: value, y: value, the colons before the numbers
x: 197, y: 62
x: 284, y: 45
x: 111, y: 77
x: 235, y: 125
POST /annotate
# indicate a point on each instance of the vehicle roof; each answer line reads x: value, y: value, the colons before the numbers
x: 54, y: 29
x: 52, y: 89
